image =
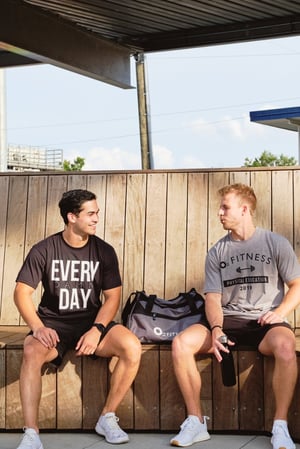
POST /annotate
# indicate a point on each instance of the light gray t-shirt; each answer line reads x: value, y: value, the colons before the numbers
x: 250, y: 274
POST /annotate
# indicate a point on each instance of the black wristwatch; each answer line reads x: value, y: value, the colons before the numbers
x: 100, y: 327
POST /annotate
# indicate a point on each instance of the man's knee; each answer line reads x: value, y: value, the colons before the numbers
x: 178, y: 346
x: 135, y: 350
x: 130, y: 346
x: 286, y: 350
x: 34, y: 352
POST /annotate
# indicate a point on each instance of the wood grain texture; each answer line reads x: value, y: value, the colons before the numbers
x: 161, y: 224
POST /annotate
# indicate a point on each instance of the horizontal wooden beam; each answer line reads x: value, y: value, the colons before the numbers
x: 44, y: 37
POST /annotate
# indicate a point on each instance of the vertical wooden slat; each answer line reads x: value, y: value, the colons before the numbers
x: 251, y: 403
x: 282, y: 210
x: 204, y: 366
x: 69, y: 398
x: 146, y: 391
x: 262, y: 185
x: 296, y: 207
x: 294, y: 411
x: 125, y: 410
x: 47, y: 410
x: 97, y: 184
x: 4, y: 183
x: 296, y: 229
x: 176, y: 234
x: 3, y: 383
x: 94, y: 389
x: 14, y: 248
x: 115, y: 215
x: 36, y: 217
x: 239, y: 177
x: 36, y: 210
x: 196, y: 230
x: 215, y: 230
x: 269, y: 400
x: 56, y: 186
x: 14, y: 416
x: 77, y: 181
x: 172, y: 408
x: 154, y: 277
x: 225, y: 400
x: 134, y: 233
x: 282, y: 203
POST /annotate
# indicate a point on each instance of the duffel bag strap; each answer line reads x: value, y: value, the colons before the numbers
x: 128, y: 306
x: 150, y: 303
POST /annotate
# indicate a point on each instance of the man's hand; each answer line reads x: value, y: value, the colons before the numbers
x: 218, y: 347
x: 270, y: 317
x: 88, y: 342
x: 47, y: 336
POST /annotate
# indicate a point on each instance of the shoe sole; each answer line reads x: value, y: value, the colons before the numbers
x: 102, y: 434
x: 284, y: 447
x: 197, y: 440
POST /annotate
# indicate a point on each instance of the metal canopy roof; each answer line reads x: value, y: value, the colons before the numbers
x: 285, y: 118
x: 157, y: 25
x: 97, y: 37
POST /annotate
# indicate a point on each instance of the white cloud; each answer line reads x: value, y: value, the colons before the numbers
x: 99, y: 158
x: 190, y: 161
x: 202, y: 126
x: 163, y: 157
x: 237, y: 128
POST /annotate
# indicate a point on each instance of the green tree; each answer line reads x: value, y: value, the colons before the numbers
x: 267, y: 159
x: 76, y: 165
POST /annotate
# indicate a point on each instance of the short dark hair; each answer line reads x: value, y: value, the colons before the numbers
x: 72, y: 201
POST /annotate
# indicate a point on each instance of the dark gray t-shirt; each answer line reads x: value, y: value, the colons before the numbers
x: 72, y: 278
x: 250, y: 274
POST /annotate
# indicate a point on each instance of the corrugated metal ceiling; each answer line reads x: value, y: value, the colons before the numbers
x: 157, y: 25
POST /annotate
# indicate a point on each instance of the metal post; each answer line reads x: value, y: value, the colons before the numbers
x: 298, y: 145
x: 144, y: 116
x: 3, y: 147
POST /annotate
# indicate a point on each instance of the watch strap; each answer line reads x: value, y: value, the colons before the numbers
x: 100, y: 327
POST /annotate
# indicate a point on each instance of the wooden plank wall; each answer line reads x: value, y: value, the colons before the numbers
x: 161, y: 223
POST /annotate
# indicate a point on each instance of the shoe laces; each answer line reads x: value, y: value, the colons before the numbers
x: 112, y: 423
x: 188, y: 423
x: 28, y: 438
x: 280, y: 429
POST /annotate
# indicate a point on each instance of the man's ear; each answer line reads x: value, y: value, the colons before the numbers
x: 245, y: 208
x: 71, y: 217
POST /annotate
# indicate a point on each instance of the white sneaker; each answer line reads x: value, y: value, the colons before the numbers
x: 281, y: 438
x: 192, y: 431
x: 30, y: 440
x: 108, y: 427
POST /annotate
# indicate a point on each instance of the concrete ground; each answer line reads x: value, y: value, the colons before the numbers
x: 137, y: 441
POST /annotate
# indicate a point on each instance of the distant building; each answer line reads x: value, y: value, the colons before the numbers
x: 28, y: 158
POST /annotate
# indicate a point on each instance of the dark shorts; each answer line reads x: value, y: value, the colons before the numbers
x: 248, y: 332
x: 69, y: 334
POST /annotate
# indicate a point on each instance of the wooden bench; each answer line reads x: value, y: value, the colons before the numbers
x: 74, y: 394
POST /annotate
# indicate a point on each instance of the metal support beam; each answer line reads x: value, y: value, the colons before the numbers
x: 3, y: 144
x: 144, y: 115
x: 27, y: 31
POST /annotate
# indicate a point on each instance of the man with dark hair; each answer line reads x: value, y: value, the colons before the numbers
x: 245, y: 276
x: 75, y: 267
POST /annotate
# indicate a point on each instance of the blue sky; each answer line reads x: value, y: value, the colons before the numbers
x: 199, y: 104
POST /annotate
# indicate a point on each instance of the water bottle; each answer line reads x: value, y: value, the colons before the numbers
x: 227, y: 364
